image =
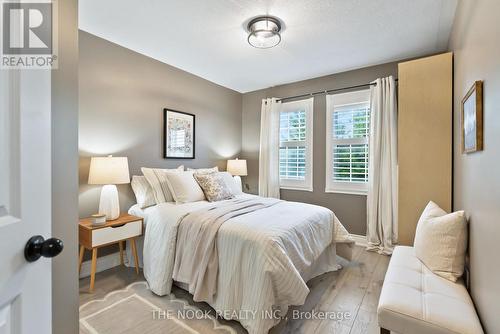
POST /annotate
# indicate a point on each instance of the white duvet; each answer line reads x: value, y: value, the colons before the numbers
x: 265, y: 257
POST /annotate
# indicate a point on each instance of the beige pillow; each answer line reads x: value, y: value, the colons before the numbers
x: 204, y: 170
x: 441, y: 241
x: 213, y: 186
x: 157, y: 179
x: 143, y: 192
x: 184, y: 187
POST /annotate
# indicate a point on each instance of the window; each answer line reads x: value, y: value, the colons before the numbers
x: 347, y: 130
x: 296, y: 133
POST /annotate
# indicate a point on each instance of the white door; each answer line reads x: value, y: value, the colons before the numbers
x: 25, y: 199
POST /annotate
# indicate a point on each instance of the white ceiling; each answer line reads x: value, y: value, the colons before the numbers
x: 320, y: 37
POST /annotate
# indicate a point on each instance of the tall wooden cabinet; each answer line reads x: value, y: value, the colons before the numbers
x: 424, y: 139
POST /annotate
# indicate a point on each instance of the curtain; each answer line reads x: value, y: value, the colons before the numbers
x: 382, y: 223
x: 269, y: 178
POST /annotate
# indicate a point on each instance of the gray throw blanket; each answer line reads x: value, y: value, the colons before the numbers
x: 196, y: 257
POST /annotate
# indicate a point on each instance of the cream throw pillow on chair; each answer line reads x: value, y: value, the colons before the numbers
x: 441, y: 241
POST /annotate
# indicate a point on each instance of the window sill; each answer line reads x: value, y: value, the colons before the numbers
x: 347, y: 192
x: 296, y: 188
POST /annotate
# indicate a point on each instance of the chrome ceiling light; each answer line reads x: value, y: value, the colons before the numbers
x: 264, y: 32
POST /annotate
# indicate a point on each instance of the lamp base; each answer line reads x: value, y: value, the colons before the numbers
x: 237, y: 179
x: 109, y: 204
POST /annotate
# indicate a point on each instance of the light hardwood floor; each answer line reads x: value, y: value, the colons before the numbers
x: 354, y: 290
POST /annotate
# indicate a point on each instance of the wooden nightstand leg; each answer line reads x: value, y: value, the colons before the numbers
x: 82, y: 251
x: 120, y: 243
x: 134, y: 250
x: 92, y: 271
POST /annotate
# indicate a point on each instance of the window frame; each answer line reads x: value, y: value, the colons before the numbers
x: 342, y: 99
x: 307, y: 183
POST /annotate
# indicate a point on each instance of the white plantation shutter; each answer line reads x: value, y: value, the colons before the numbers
x: 347, y: 128
x: 295, y: 156
x: 293, y: 161
x: 350, y: 163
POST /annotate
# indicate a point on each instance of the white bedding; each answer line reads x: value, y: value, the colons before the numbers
x: 265, y: 257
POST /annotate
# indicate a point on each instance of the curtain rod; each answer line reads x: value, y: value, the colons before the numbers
x: 324, y: 92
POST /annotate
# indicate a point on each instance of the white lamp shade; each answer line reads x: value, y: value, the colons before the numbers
x: 109, y: 170
x: 237, y: 167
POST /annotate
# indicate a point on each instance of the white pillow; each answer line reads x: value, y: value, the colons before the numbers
x: 157, y: 179
x: 231, y: 183
x: 204, y: 170
x: 184, y: 187
x: 441, y: 241
x: 143, y: 192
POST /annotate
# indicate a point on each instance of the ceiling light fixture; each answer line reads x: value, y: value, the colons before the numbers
x: 264, y: 32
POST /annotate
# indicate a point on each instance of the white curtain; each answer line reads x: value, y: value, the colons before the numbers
x: 382, y: 223
x: 269, y: 178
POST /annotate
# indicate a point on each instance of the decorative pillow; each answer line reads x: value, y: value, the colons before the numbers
x: 184, y: 187
x: 143, y: 192
x: 157, y: 179
x: 231, y: 183
x: 214, y: 187
x: 441, y: 241
x: 204, y: 170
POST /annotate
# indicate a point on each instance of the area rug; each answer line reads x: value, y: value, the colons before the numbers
x: 136, y: 310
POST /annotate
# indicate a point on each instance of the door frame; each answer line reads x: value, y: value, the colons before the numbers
x: 65, y: 164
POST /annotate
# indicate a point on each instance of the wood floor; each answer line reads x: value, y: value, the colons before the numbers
x: 354, y: 291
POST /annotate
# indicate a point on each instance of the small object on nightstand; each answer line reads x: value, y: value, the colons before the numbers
x: 98, y: 219
x: 125, y: 227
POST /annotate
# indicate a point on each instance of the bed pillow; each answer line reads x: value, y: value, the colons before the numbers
x: 441, y: 241
x: 157, y: 179
x: 231, y: 183
x: 204, y: 170
x: 184, y: 187
x: 214, y: 186
x: 143, y: 192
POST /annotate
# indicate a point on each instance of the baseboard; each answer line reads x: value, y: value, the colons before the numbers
x: 103, y: 263
x: 360, y: 240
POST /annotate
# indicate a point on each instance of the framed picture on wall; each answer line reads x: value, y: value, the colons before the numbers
x: 178, y: 134
x: 472, y: 119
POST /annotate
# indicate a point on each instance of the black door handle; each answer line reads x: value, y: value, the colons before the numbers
x: 37, y: 246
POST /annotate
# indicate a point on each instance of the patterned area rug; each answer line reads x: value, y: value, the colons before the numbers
x: 136, y: 309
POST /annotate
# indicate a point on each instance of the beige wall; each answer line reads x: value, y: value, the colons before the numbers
x: 475, y: 43
x: 122, y: 96
x: 424, y: 139
x: 350, y: 209
x: 64, y: 172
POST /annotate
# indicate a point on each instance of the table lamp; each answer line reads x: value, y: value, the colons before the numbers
x: 237, y: 168
x: 109, y: 171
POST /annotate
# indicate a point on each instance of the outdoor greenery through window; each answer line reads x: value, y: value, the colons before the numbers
x: 348, y: 127
x: 350, y: 160
x: 295, y: 145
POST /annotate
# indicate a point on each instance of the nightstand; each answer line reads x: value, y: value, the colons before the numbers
x: 125, y: 227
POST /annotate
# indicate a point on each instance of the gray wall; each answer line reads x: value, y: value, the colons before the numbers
x: 122, y: 96
x: 476, y: 176
x: 350, y: 209
x: 65, y: 172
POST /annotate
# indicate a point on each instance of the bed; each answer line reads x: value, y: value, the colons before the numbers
x: 265, y: 257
